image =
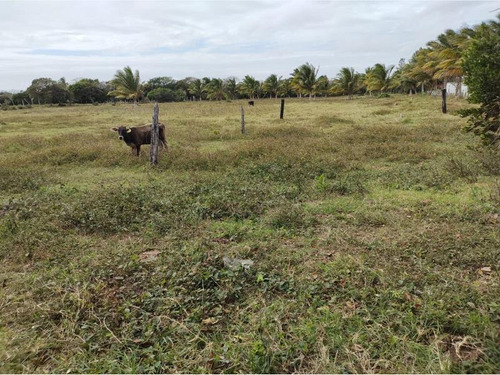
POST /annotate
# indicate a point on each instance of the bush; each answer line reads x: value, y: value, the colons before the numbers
x: 481, y: 63
x: 488, y: 159
x: 463, y: 167
x: 5, y: 98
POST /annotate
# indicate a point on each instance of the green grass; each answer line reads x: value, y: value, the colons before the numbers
x: 369, y: 223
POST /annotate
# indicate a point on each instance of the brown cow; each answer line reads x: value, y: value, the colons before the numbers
x: 140, y: 135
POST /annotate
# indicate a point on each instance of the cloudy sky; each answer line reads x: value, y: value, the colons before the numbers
x: 92, y: 39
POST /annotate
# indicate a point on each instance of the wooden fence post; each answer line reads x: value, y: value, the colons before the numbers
x: 282, y: 110
x: 242, y: 120
x: 443, y: 104
x: 153, y: 155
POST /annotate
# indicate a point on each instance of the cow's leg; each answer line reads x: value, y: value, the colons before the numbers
x: 138, y: 149
x: 163, y: 143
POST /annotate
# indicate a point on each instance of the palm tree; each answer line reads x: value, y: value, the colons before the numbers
x: 403, y: 79
x: 216, y: 89
x: 184, y: 85
x: 286, y: 88
x: 231, y: 87
x: 250, y: 87
x: 379, y: 78
x: 271, y: 85
x: 417, y: 69
x: 322, y: 85
x: 127, y: 85
x: 197, y: 88
x: 446, y: 55
x: 305, y: 79
x: 346, y: 81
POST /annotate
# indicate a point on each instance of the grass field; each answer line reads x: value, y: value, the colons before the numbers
x: 373, y: 225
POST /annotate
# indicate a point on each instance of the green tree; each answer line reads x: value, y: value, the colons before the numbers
x: 418, y: 71
x: 445, y: 55
x: 159, y: 82
x: 89, y: 91
x: 286, y: 88
x: 481, y: 64
x: 127, y: 85
x: 231, y: 85
x: 197, y: 88
x: 48, y: 91
x: 379, y: 78
x: 250, y: 87
x: 322, y: 86
x: 305, y: 79
x: 6, y: 98
x: 164, y: 94
x: 184, y: 85
x: 271, y: 85
x: 21, y: 98
x: 59, y: 94
x: 346, y: 82
x: 39, y: 90
x: 216, y: 90
x: 404, y: 82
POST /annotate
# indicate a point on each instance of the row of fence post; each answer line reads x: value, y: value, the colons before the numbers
x: 153, y: 157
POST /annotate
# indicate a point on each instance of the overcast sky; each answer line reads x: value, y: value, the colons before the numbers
x: 93, y: 39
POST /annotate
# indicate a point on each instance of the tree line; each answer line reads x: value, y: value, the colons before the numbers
x: 470, y: 53
x: 430, y: 68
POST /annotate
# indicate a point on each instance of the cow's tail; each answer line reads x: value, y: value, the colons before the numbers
x: 161, y: 133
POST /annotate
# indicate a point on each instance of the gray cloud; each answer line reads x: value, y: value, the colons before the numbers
x: 75, y: 39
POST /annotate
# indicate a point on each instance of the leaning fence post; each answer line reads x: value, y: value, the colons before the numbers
x: 282, y: 110
x: 153, y: 155
x: 242, y: 120
x: 443, y: 104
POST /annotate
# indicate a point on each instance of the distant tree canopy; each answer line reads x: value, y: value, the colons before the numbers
x: 164, y: 89
x: 48, y: 91
x: 5, y: 98
x: 21, y: 98
x: 183, y: 85
x: 160, y: 82
x: 197, y: 88
x: 89, y: 91
x: 163, y: 94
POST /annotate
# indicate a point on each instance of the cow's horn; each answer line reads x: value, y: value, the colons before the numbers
x: 129, y: 130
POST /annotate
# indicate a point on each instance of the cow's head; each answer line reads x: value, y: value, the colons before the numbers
x: 122, y: 130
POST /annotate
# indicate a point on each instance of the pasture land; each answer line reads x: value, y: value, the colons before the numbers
x: 373, y: 225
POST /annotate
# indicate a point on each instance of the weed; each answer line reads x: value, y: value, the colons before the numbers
x: 488, y: 158
x: 466, y: 169
x: 381, y: 112
x: 288, y: 217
